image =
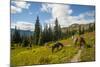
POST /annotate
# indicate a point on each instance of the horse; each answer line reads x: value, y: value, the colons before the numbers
x: 75, y: 40
x: 81, y: 41
x: 57, y: 46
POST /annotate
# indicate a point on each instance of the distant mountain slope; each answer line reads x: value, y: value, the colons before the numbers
x: 23, y: 32
x: 76, y: 27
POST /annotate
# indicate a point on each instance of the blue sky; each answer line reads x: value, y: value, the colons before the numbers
x: 25, y: 13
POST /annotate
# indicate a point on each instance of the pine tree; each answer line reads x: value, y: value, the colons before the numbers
x: 60, y: 32
x: 40, y: 42
x: 37, y: 31
x: 45, y: 34
x: 56, y: 30
x: 25, y: 41
x: 16, y: 36
x: 50, y: 33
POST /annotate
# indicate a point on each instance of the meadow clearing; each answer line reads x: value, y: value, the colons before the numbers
x: 43, y: 55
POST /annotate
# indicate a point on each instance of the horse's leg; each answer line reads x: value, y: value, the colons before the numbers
x: 56, y: 48
x: 52, y: 49
x: 81, y: 44
x: 62, y: 45
x: 76, y: 42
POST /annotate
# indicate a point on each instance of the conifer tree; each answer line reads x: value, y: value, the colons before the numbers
x: 60, y: 32
x: 37, y: 31
x: 56, y: 30
x: 16, y: 36
x: 50, y: 33
x: 45, y: 34
x: 40, y: 42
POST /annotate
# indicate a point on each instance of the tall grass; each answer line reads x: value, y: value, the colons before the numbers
x: 42, y: 55
x: 88, y: 53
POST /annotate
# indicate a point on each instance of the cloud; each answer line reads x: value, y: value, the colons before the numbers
x: 78, y: 20
x: 85, y: 18
x: 63, y: 13
x: 45, y: 8
x: 13, y: 25
x: 87, y: 14
x: 19, y: 6
x: 57, y: 11
x: 60, y: 11
x: 23, y: 25
x: 22, y: 4
x: 15, y: 9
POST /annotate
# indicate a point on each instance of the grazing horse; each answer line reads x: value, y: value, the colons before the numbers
x: 57, y: 46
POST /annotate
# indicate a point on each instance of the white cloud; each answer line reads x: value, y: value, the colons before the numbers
x: 22, y: 4
x: 23, y: 25
x: 45, y: 8
x: 87, y: 14
x: 19, y: 6
x: 63, y: 13
x: 12, y: 25
x: 60, y: 11
x: 81, y: 19
x: 15, y: 9
x: 57, y: 11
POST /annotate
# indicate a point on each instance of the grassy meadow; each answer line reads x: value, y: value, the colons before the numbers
x: 43, y: 55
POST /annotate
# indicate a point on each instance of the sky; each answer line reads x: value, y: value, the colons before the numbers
x: 24, y: 14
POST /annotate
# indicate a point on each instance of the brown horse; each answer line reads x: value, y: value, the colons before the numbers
x: 81, y: 41
x: 57, y: 46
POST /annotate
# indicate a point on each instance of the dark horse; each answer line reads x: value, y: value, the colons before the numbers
x: 81, y: 41
x: 57, y: 46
